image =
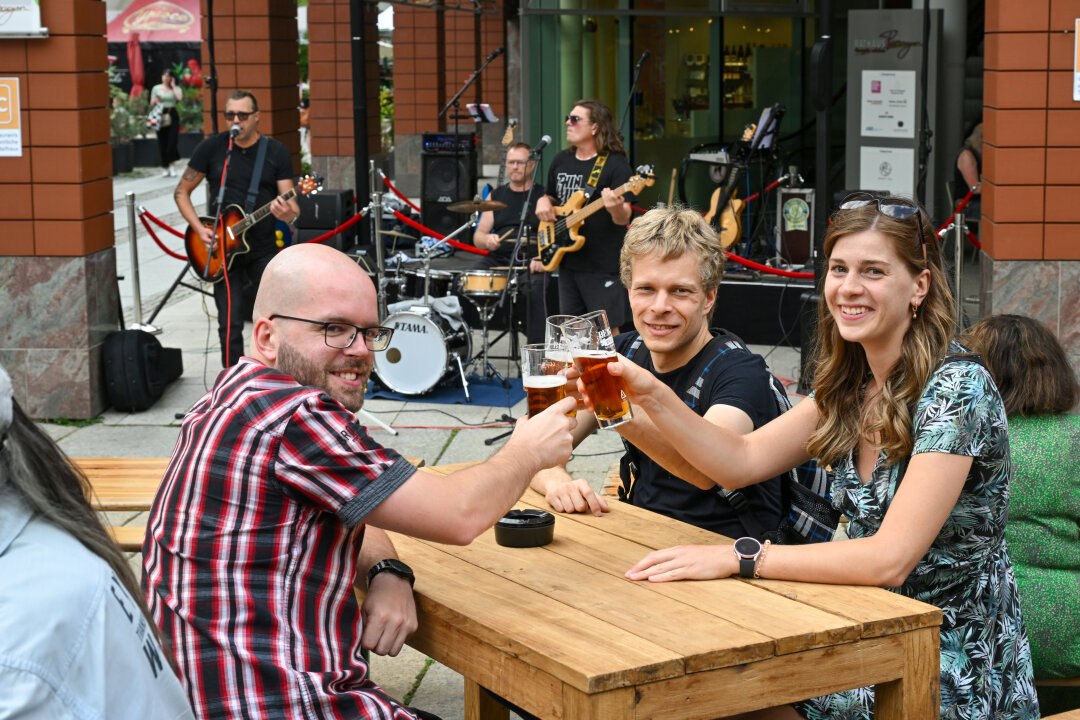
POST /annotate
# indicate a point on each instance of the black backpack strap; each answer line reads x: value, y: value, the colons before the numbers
x: 256, y: 175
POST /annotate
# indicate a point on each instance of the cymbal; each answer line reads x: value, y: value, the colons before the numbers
x: 395, y: 233
x: 471, y: 206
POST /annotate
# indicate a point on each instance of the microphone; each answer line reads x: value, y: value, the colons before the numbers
x: 643, y: 57
x: 234, y: 131
x: 541, y: 145
x: 494, y: 54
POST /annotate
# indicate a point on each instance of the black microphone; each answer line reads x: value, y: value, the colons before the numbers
x: 234, y: 131
x: 494, y: 54
x: 541, y: 145
x: 643, y: 57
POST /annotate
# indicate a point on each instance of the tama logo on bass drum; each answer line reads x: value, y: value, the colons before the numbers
x: 411, y: 327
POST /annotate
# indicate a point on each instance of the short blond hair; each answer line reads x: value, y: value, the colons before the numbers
x: 672, y: 232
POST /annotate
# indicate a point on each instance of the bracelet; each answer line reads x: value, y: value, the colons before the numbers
x: 761, y: 558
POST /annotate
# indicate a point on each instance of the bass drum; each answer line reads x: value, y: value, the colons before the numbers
x: 423, y: 351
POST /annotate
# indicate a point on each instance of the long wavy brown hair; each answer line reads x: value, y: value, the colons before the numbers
x: 607, y: 139
x: 841, y: 368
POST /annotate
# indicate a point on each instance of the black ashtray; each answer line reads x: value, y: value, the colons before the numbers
x: 525, y: 528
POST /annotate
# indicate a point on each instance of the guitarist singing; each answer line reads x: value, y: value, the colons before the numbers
x: 207, y: 161
x: 595, y: 162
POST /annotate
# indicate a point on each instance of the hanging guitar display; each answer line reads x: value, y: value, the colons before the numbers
x: 555, y: 239
x: 229, y: 237
x: 723, y: 198
x: 507, y: 141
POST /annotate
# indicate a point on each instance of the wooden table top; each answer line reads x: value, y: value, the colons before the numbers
x: 132, y: 483
x: 561, y: 632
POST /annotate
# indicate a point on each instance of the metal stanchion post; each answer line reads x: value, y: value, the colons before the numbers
x: 138, y: 324
x: 958, y: 262
x: 376, y: 240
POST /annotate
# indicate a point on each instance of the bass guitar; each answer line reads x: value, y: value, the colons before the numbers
x: 229, y: 238
x: 555, y: 239
x: 728, y: 224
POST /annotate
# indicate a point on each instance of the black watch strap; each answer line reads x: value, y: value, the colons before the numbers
x: 746, y: 566
x: 394, y: 567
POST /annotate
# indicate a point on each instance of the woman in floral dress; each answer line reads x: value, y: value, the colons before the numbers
x: 916, y: 433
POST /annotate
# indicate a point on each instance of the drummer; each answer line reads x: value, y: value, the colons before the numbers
x: 497, y: 233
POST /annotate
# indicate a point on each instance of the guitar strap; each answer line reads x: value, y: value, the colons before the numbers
x: 256, y: 175
x: 597, y: 168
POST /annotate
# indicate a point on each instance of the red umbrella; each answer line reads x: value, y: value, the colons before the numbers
x: 135, y: 65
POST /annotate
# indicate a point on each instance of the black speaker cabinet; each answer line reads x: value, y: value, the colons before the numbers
x: 762, y: 312
x: 304, y: 235
x: 448, y: 175
x: 326, y: 210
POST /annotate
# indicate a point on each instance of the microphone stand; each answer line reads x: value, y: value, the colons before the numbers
x: 217, y: 210
x: 514, y: 350
x: 626, y: 110
x: 457, y: 108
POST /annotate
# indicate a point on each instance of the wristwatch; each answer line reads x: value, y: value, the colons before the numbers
x: 746, y: 551
x: 394, y: 567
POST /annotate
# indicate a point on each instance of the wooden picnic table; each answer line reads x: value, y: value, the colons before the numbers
x: 132, y: 483
x: 559, y: 630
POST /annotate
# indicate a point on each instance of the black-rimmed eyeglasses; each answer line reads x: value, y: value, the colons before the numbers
x: 341, y: 335
x: 896, y: 208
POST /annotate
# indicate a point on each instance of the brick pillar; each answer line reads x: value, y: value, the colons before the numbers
x: 1031, y: 166
x: 255, y: 49
x: 57, y: 265
x: 331, y: 80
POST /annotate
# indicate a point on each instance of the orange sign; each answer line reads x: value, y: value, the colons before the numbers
x: 10, y: 125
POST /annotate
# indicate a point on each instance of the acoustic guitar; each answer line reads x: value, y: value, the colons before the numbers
x: 555, y: 239
x: 229, y: 236
x: 728, y: 224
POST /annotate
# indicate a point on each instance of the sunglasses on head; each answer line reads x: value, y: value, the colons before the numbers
x: 574, y: 119
x: 896, y: 208
x: 241, y: 116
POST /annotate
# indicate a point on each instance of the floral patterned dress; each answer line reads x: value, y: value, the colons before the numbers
x: 986, y: 670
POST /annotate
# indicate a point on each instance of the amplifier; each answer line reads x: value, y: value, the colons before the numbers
x: 326, y: 209
x: 448, y: 143
x: 762, y: 312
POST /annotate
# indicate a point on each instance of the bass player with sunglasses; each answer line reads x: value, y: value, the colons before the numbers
x: 245, y: 261
x: 593, y: 165
x: 916, y: 433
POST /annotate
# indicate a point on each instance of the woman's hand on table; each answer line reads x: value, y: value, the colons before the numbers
x: 685, y: 562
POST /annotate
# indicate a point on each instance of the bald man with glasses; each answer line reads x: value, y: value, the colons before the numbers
x: 244, y: 268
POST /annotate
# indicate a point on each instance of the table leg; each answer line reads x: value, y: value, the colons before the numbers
x: 917, y: 693
x: 481, y: 706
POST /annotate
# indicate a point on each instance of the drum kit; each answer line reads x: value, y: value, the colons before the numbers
x: 432, y: 343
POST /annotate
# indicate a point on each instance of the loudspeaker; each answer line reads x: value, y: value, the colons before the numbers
x: 325, y: 211
x: 448, y: 175
x: 762, y: 313
x: 303, y: 235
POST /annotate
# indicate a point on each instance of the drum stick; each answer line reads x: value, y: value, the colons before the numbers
x: 671, y: 189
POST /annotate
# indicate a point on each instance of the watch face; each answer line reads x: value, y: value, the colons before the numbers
x: 747, y: 546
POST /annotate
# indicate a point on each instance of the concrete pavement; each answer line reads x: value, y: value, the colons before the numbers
x: 437, y: 433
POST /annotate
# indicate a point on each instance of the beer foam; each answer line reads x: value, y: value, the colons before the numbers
x: 543, y: 381
x: 596, y: 354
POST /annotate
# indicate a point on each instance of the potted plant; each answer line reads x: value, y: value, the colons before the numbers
x: 127, y: 120
x: 190, y: 107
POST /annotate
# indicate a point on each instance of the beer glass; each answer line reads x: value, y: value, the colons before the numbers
x: 592, y: 348
x: 555, y: 338
x: 545, y: 382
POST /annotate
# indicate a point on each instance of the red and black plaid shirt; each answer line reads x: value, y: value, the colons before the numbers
x: 250, y: 553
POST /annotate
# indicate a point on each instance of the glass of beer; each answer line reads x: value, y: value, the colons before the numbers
x: 544, y: 381
x: 592, y: 347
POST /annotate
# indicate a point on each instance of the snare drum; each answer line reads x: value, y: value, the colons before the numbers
x: 440, y: 282
x: 483, y: 283
x: 423, y: 351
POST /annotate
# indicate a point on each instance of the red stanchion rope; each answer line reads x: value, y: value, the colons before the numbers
x: 971, y: 238
x: 331, y: 233
x: 159, y: 223
x: 766, y: 269
x: 150, y: 230
x: 438, y: 236
x: 387, y: 183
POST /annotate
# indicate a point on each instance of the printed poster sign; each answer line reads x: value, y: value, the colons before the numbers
x: 10, y: 119
x: 886, y: 169
x: 21, y: 18
x: 888, y: 103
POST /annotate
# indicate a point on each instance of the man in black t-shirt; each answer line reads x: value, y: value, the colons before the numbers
x: 671, y: 264
x: 595, y: 164
x: 496, y: 232
x: 234, y: 297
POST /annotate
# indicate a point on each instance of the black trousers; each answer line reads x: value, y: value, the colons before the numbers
x: 168, y: 139
x: 533, y: 296
x: 234, y: 306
